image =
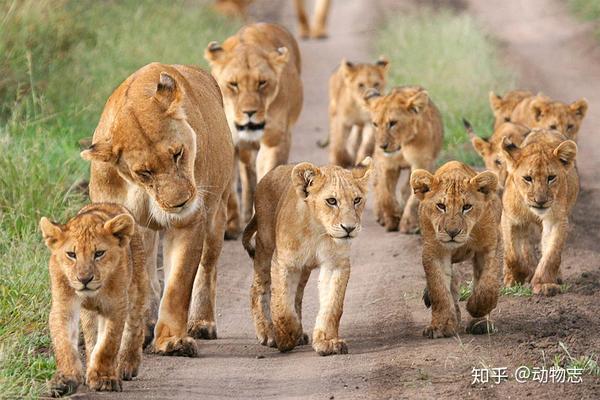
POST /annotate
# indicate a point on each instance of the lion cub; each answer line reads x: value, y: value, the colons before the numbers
x: 306, y: 217
x: 503, y: 106
x: 96, y: 268
x: 348, y: 110
x: 459, y: 215
x: 542, y: 112
x: 541, y: 189
x: 409, y: 134
x: 490, y: 149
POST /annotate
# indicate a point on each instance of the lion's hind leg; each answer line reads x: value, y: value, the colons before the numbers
x: 260, y: 295
x: 285, y: 280
x: 299, y: 296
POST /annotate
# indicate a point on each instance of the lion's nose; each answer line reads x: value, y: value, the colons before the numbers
x: 181, y: 204
x: 348, y: 229
x: 85, y: 279
x: 384, y: 146
x: 452, y: 232
x: 250, y: 113
x: 541, y: 201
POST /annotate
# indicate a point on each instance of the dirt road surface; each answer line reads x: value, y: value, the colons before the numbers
x: 384, y: 315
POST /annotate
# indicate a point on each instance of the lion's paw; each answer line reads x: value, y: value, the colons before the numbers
x: 103, y: 383
x: 202, y: 329
x: 63, y: 385
x: 129, y: 369
x: 330, y: 346
x: 391, y: 223
x: 408, y: 226
x: 447, y: 328
x: 177, y: 347
x: 546, y: 289
x: 303, y: 340
x: 481, y: 326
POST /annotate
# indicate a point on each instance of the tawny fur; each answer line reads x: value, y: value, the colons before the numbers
x: 163, y: 149
x: 318, y: 30
x: 348, y: 111
x: 97, y: 270
x: 490, y: 149
x: 408, y: 136
x: 503, y: 106
x: 541, y: 189
x: 258, y: 71
x: 459, y: 215
x: 305, y: 218
x: 542, y: 112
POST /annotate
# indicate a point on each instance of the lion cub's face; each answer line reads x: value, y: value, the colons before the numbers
x: 554, y: 115
x: 453, y: 199
x: 89, y: 249
x: 396, y: 116
x: 360, y: 78
x: 503, y: 106
x: 335, y: 196
x: 249, y: 80
x: 539, y: 167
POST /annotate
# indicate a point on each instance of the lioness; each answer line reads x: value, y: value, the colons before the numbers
x: 542, y: 112
x: 459, y: 215
x: 97, y: 266
x: 541, y: 189
x: 163, y: 149
x: 409, y: 134
x: 305, y: 218
x: 258, y: 71
x: 490, y: 149
x: 503, y: 106
x: 348, y: 110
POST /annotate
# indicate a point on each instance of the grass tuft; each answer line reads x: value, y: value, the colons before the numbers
x: 448, y: 54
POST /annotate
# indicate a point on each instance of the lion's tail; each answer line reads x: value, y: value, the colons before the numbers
x: 250, y: 230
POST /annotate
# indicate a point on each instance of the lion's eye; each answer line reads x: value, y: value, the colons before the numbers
x: 262, y: 84
x: 506, y: 119
x: 72, y: 255
x: 357, y: 200
x: 331, y: 201
x: 551, y: 178
x: 375, y: 124
x: 376, y: 85
x: 232, y: 85
x: 392, y: 123
x: 552, y: 126
x: 98, y: 254
x: 361, y: 85
x: 528, y: 178
x: 441, y: 207
x: 570, y: 127
x: 498, y: 162
x: 467, y: 208
x: 144, y: 174
x: 177, y: 156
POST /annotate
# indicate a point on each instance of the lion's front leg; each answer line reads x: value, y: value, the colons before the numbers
x: 333, y: 279
x: 486, y: 287
x: 130, y: 352
x: 409, y: 223
x: 102, y: 373
x: 247, y: 167
x: 64, y: 330
x: 274, y: 150
x: 202, y: 323
x: 546, y: 278
x: 285, y: 278
x: 517, y: 252
x: 367, y: 144
x: 438, y: 272
x: 386, y: 204
x: 150, y: 240
x: 260, y: 295
x: 319, y: 27
x: 298, y: 303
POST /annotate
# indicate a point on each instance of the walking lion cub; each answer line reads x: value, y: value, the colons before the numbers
x: 306, y: 217
x: 96, y: 268
x: 459, y: 215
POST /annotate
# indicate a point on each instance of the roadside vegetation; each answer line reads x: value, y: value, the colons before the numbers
x: 588, y: 10
x: 59, y: 61
x: 448, y: 54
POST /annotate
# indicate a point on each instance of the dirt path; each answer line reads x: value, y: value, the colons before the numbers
x: 384, y: 315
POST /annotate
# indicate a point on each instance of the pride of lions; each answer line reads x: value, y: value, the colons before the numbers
x: 166, y: 156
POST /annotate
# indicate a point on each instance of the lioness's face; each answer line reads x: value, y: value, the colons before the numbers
x: 453, y: 200
x: 89, y: 250
x: 396, y: 117
x: 360, y: 78
x: 249, y: 80
x: 554, y: 115
x: 155, y: 150
x: 539, y: 168
x: 335, y: 196
x: 503, y: 106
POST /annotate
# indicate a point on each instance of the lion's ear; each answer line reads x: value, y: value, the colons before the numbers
x: 510, y: 150
x: 122, y: 227
x: 169, y: 96
x: 370, y: 95
x: 213, y: 53
x: 495, y: 101
x: 579, y: 108
x: 420, y: 182
x: 303, y: 178
x: 363, y: 170
x: 52, y: 232
x: 100, y: 151
x: 418, y: 102
x: 485, y: 182
x: 279, y: 58
x: 383, y: 63
x: 566, y: 153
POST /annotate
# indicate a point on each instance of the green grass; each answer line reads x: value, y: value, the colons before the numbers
x: 588, y: 10
x: 59, y: 61
x: 587, y: 364
x: 448, y: 54
x: 519, y: 290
